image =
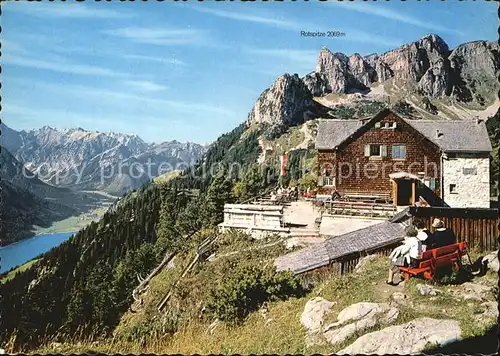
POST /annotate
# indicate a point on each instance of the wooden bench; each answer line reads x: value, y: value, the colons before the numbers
x: 368, y: 197
x: 431, y: 260
x: 360, y: 208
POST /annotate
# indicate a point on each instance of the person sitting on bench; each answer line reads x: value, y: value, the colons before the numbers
x: 404, y: 255
x: 441, y: 237
x: 423, y: 234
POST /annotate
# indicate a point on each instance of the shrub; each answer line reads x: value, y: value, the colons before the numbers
x: 247, y: 289
x: 274, y: 131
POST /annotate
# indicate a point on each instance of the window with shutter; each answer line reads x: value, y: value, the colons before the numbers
x: 399, y: 152
x: 383, y: 151
x: 375, y: 150
x: 432, y: 183
x: 367, y: 150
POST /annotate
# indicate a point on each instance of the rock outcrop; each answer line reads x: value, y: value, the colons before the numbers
x: 407, y: 338
x: 284, y: 103
x: 314, y: 312
x: 425, y: 289
x: 420, y: 63
x: 492, y: 261
x: 426, y: 66
x: 358, y: 317
x: 474, y: 69
x: 351, y: 320
x: 361, y: 265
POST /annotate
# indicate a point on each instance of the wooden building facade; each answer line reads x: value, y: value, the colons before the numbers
x: 358, y: 156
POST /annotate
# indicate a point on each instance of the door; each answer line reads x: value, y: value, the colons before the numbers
x: 405, y: 192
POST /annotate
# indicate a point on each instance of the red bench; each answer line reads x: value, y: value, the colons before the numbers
x: 431, y: 260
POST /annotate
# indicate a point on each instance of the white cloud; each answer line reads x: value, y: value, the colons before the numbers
x: 271, y: 20
x: 145, y: 85
x: 65, y: 10
x: 61, y: 67
x: 160, y: 36
x: 385, y: 12
x: 298, y: 25
x: 164, y: 60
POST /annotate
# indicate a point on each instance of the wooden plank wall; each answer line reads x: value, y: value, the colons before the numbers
x: 346, y: 265
x: 349, y: 263
x: 479, y: 227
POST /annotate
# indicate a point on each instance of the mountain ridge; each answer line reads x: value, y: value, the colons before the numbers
x: 425, y: 73
x: 78, y: 158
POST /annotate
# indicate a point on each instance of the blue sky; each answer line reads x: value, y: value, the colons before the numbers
x: 191, y: 71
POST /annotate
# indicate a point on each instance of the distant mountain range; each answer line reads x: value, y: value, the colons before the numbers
x: 87, y: 160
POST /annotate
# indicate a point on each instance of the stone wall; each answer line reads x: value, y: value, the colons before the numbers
x: 471, y: 177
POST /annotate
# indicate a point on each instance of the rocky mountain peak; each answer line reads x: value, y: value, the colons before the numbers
x: 287, y: 99
x: 426, y: 67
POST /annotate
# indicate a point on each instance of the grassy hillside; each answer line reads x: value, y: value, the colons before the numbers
x: 92, y: 275
x: 185, y: 327
x: 80, y: 292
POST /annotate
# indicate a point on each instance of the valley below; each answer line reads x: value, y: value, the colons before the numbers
x: 87, y: 214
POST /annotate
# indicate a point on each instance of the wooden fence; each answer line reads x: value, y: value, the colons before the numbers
x: 344, y: 265
x: 477, y: 226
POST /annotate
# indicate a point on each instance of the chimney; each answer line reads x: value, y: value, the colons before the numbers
x: 438, y: 133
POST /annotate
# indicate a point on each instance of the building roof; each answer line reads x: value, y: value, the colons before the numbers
x: 332, y: 133
x: 368, y: 238
x: 456, y: 135
x: 322, y: 254
x: 303, y: 260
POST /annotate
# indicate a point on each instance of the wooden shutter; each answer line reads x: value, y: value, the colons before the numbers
x: 367, y: 150
x: 432, y: 183
x: 383, y: 151
x: 320, y: 181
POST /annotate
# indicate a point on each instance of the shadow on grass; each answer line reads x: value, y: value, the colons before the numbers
x: 486, y: 344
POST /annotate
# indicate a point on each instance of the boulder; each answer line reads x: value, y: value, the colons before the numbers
x: 361, y: 310
x: 491, y: 309
x: 335, y: 336
x: 364, y: 315
x: 314, y: 312
x: 360, y: 266
x: 425, y: 289
x: 391, y: 316
x: 398, y: 296
x: 407, y: 338
x: 492, y: 260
